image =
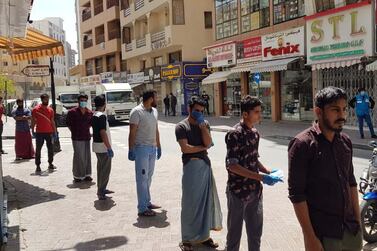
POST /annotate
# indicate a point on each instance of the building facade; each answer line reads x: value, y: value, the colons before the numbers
x: 162, y: 43
x: 263, y: 48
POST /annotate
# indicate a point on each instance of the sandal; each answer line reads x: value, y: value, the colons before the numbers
x: 210, y: 243
x: 148, y: 213
x: 186, y: 246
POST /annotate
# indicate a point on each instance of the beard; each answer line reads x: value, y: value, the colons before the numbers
x: 332, y: 127
x: 154, y: 104
x: 45, y: 103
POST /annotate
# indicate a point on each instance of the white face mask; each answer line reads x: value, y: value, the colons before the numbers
x: 362, y: 93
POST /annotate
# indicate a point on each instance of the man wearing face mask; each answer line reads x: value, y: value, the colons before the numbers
x: 144, y: 148
x: 44, y: 129
x: 363, y: 103
x: 79, y: 120
x: 201, y: 211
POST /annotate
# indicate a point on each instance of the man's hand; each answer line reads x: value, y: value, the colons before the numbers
x: 312, y: 243
x: 159, y: 153
x: 131, y: 155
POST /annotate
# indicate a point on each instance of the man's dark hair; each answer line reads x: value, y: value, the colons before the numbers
x: 148, y: 94
x: 99, y: 101
x: 362, y: 88
x: 44, y: 95
x: 195, y: 100
x: 248, y: 103
x: 329, y: 95
x: 19, y: 100
x: 82, y: 96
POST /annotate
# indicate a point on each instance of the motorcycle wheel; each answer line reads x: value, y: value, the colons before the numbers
x: 369, y: 220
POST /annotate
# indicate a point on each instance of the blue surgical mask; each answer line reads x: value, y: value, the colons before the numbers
x: 83, y: 104
x: 362, y: 93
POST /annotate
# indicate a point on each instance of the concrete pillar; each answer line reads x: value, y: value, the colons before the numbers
x: 104, y: 64
x: 244, y: 83
x: 275, y: 97
x: 118, y: 58
x: 315, y: 83
x: 148, y: 23
x: 218, y: 104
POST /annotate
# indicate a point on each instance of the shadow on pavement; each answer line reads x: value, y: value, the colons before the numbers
x: 13, y: 238
x: 81, y: 185
x: 27, y: 195
x: 370, y: 246
x: 105, y: 243
x: 104, y: 205
x: 158, y: 221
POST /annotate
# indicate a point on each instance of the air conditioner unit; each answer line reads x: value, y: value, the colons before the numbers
x: 102, y: 45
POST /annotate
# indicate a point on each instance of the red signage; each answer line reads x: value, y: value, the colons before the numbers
x: 283, y: 50
x: 249, y: 50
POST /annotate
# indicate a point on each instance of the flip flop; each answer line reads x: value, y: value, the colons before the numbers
x: 186, y: 246
x: 210, y: 243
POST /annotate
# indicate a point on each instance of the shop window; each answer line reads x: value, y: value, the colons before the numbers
x: 158, y: 61
x: 226, y: 18
x: 175, y: 57
x: 178, y: 12
x: 285, y: 10
x: 255, y: 14
x: 208, y: 19
x: 262, y: 90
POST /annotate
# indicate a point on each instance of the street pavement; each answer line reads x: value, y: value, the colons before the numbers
x: 49, y: 212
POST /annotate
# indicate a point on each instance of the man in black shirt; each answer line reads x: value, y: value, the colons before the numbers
x: 205, y: 97
x: 321, y: 183
x: 167, y: 105
x: 173, y: 103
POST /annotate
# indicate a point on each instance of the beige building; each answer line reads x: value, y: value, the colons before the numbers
x: 159, y: 33
x: 100, y: 36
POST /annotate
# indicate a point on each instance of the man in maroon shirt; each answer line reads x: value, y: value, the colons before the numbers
x: 321, y: 183
x: 79, y: 120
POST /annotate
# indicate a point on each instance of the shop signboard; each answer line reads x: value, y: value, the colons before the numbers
x: 221, y: 55
x: 89, y: 80
x: 284, y: 44
x: 249, y: 50
x: 36, y: 70
x: 107, y: 77
x: 195, y: 70
x: 190, y: 88
x: 340, y: 36
x: 135, y: 78
x: 172, y: 71
x: 152, y: 75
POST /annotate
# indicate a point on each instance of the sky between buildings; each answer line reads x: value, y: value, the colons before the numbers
x: 58, y: 8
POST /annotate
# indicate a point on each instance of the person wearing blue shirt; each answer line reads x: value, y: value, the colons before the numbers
x: 362, y: 104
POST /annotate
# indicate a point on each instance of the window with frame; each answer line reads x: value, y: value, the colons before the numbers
x: 324, y: 5
x: 226, y: 18
x: 255, y: 14
x: 208, y: 19
x: 285, y: 10
x: 175, y: 57
x: 178, y: 12
x: 158, y: 61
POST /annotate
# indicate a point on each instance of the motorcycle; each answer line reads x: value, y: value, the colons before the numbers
x: 368, y: 207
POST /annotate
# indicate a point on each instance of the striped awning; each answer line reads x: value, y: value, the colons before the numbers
x: 216, y: 77
x: 34, y: 45
x: 337, y: 64
x: 371, y: 66
x: 245, y: 67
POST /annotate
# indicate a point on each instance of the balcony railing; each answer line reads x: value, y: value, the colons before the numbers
x: 129, y: 47
x: 100, y: 38
x: 111, y: 3
x: 139, y: 4
x: 86, y: 15
x: 88, y: 43
x: 98, y: 9
x: 114, y: 34
x: 158, y: 36
x: 141, y: 43
x: 127, y: 12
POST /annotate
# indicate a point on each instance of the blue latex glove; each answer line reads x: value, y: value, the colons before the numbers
x: 131, y: 155
x: 274, y: 170
x: 271, y: 180
x: 159, y: 153
x: 55, y: 136
x: 110, y: 153
x: 198, y: 116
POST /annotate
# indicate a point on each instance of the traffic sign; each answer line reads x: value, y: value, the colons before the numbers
x: 36, y: 70
x: 257, y: 77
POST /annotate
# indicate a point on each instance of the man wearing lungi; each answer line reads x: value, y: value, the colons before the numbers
x: 201, y: 210
x: 79, y: 121
x: 23, y: 143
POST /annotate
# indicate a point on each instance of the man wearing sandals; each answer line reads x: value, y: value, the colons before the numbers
x: 144, y: 147
x: 244, y: 189
x: 201, y: 210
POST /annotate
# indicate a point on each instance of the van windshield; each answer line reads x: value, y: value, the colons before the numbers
x: 119, y: 97
x: 69, y: 98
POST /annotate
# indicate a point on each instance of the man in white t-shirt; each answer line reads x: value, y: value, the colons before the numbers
x: 144, y: 147
x: 102, y: 146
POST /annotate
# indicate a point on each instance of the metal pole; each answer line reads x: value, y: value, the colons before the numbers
x: 6, y: 100
x: 52, y: 85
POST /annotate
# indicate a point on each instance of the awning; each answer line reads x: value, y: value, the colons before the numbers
x: 133, y: 85
x: 371, y: 67
x: 34, y: 45
x: 338, y: 64
x: 244, y: 67
x: 216, y: 77
x: 274, y: 65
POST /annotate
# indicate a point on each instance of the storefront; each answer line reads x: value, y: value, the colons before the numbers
x: 136, y: 80
x: 337, y: 43
x: 152, y: 80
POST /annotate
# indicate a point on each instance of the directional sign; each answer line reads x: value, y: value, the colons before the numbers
x: 36, y: 70
x: 257, y: 77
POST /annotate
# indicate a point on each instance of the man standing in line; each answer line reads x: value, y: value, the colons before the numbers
x: 201, y: 211
x: 205, y: 97
x: 364, y: 104
x: 2, y: 112
x: 167, y: 105
x: 144, y: 143
x: 244, y: 189
x: 321, y: 183
x: 44, y: 128
x: 23, y: 142
x: 102, y: 147
x: 173, y: 103
x: 79, y: 121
